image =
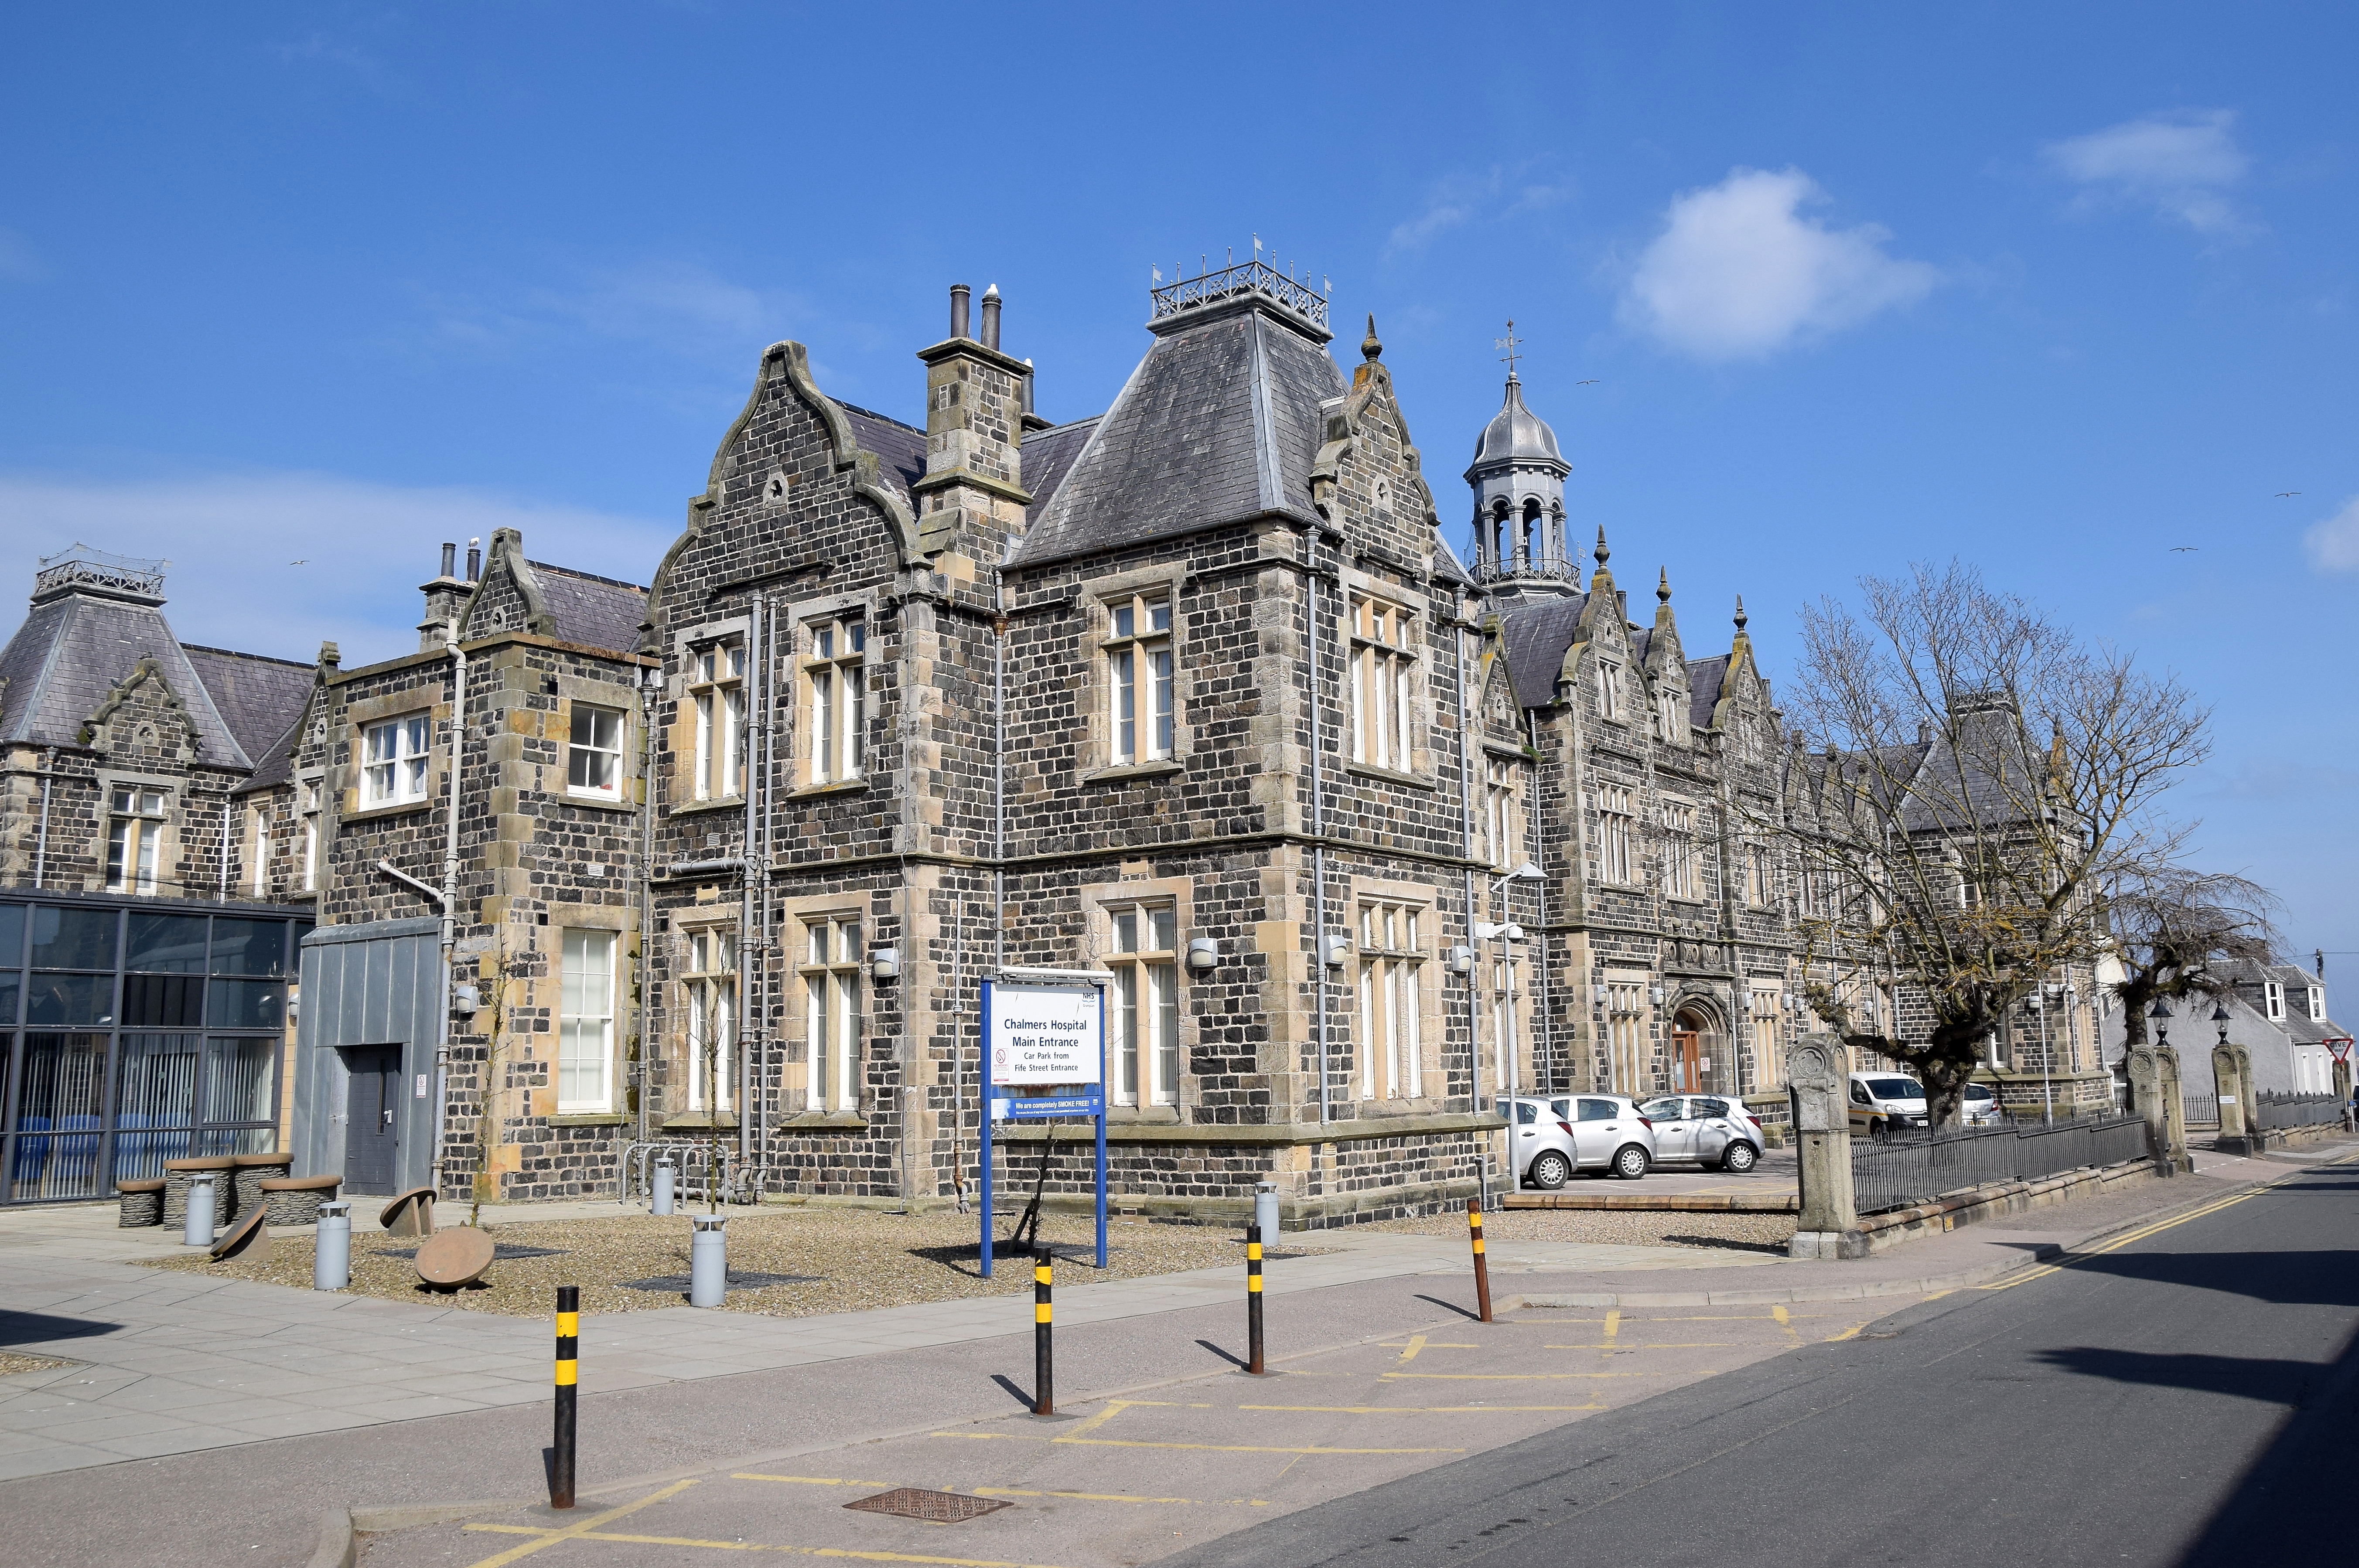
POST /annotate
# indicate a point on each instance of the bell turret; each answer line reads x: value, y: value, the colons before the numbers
x: 1518, y: 477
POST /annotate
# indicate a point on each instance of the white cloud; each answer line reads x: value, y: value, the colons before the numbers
x: 1739, y: 272
x: 366, y: 546
x: 2334, y: 545
x: 2180, y: 164
x: 1470, y: 198
x: 677, y: 305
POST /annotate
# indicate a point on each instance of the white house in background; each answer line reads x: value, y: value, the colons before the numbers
x: 2278, y: 1012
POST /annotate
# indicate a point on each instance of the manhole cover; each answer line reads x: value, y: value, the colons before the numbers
x: 940, y: 1508
x: 737, y: 1281
x: 502, y: 1251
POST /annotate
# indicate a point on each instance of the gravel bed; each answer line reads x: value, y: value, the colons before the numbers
x: 1619, y: 1227
x: 861, y: 1258
x: 15, y: 1361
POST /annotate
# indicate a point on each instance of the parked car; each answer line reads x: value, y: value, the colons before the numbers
x: 1609, y: 1133
x: 1883, y: 1103
x: 1707, y: 1129
x: 1545, y: 1155
x: 1982, y: 1107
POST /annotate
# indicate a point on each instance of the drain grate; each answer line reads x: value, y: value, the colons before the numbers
x: 937, y: 1508
x: 738, y: 1280
x: 502, y: 1252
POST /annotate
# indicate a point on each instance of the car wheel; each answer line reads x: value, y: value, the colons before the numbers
x: 1551, y: 1170
x: 1880, y: 1131
x: 1739, y: 1157
x: 1630, y: 1161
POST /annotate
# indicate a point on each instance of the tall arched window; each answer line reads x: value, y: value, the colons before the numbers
x: 1525, y: 557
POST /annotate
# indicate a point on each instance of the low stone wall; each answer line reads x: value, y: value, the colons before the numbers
x: 1973, y: 1205
x: 1663, y: 1202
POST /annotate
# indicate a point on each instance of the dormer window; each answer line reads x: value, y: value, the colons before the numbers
x: 2273, y: 995
x: 2317, y: 1004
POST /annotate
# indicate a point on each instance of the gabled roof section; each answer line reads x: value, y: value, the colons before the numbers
x: 275, y: 763
x: 1219, y: 422
x: 1537, y: 636
x: 1047, y: 458
x: 1704, y: 678
x: 595, y: 611
x: 900, y: 448
x: 75, y: 648
x: 258, y: 697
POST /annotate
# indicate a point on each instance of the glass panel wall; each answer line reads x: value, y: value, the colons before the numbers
x: 131, y: 1035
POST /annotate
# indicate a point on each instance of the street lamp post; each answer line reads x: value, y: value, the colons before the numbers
x: 1505, y: 931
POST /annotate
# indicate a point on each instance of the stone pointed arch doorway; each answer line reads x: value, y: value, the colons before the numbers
x: 1691, y: 1053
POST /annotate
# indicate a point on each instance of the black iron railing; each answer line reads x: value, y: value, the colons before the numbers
x: 1906, y: 1169
x: 2281, y: 1111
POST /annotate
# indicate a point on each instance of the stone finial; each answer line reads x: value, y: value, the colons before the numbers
x: 1740, y: 613
x: 1602, y: 553
x: 1663, y: 586
x: 331, y: 655
x: 1372, y: 347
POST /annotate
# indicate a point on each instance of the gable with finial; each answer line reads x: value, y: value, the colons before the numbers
x: 142, y: 717
x: 1369, y: 476
x: 509, y: 598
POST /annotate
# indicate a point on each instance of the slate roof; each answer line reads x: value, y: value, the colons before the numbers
x: 76, y: 647
x: 1537, y: 636
x: 1951, y: 788
x: 900, y: 448
x: 275, y: 763
x: 595, y: 611
x: 1219, y: 422
x: 1047, y: 458
x: 1704, y: 678
x: 258, y: 697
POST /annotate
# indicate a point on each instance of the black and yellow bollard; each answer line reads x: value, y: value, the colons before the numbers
x: 569, y: 1353
x: 1481, y: 1269
x: 1253, y: 1298
x: 1044, y: 1378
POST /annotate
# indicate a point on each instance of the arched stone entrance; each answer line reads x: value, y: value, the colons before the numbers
x: 1697, y: 1062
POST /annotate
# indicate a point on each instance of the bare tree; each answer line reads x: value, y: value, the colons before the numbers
x: 2170, y: 924
x: 1968, y: 777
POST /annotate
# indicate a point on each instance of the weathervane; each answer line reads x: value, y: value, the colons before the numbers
x: 1510, y: 343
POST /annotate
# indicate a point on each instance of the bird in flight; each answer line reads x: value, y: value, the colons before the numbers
x: 2182, y: 549
x: 2283, y: 493
x: 305, y: 562
x: 1591, y: 382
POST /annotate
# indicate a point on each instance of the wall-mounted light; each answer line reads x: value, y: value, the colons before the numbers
x: 464, y: 999
x: 884, y: 963
x: 1203, y: 953
x: 1462, y: 960
x: 1597, y: 996
x: 1336, y: 948
x: 1655, y: 995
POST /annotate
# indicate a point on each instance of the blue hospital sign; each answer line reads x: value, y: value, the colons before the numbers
x: 1044, y: 1034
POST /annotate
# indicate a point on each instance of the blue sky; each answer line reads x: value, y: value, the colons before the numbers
x: 2055, y: 289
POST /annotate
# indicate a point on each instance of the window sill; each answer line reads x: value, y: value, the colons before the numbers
x: 1126, y: 772
x: 694, y: 807
x: 1146, y: 1115
x: 371, y: 813
x: 698, y: 1121
x: 1387, y: 776
x: 588, y: 1118
x: 820, y: 1119
x: 833, y: 786
x: 600, y: 802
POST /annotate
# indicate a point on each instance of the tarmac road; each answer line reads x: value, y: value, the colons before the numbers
x: 2189, y: 1395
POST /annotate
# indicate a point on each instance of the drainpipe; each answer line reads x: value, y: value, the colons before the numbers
x: 764, y: 919
x: 41, y: 841
x: 1539, y: 898
x: 649, y: 691
x: 222, y: 892
x: 999, y: 772
x: 749, y: 941
x: 1467, y: 851
x: 1318, y: 822
x: 450, y: 900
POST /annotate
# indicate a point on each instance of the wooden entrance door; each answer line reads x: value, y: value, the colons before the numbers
x: 1687, y: 1059
x: 372, y: 1106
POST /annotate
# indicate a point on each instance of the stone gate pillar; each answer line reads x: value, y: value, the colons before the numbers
x: 1817, y: 1068
x: 2174, y: 1109
x: 2230, y: 1084
x: 2154, y: 1095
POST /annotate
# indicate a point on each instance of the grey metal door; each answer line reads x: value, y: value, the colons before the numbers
x: 371, y: 1099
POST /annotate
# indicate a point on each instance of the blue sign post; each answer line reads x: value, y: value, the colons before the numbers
x: 1044, y: 1060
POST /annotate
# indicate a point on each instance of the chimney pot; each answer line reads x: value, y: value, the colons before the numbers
x: 450, y: 559
x: 991, y: 317
x: 474, y: 560
x: 958, y: 309
x: 1027, y: 386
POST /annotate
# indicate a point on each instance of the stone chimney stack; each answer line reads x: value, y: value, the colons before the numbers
x: 446, y: 601
x: 972, y: 499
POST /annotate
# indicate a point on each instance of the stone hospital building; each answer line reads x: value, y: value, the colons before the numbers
x: 1193, y: 691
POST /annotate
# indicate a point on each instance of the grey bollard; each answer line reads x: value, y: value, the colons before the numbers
x: 1266, y: 1209
x: 198, y: 1230
x: 331, y: 1255
x: 708, y: 1260
x: 665, y: 1181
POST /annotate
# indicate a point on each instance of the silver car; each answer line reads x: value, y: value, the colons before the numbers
x: 1609, y: 1133
x: 1542, y: 1142
x: 1706, y: 1128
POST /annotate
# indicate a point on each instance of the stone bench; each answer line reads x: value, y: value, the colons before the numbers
x: 143, y: 1202
x: 178, y: 1174
x: 296, y: 1200
x: 253, y: 1170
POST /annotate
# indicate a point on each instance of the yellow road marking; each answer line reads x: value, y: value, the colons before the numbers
x: 1418, y: 1410
x: 1113, y: 1407
x: 573, y: 1532
x: 1416, y: 1343
x: 1121, y: 1498
x: 809, y: 1481
x: 1613, y: 1324
x: 1846, y: 1334
x: 1195, y: 1447
x: 1785, y: 1321
x: 740, y: 1546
